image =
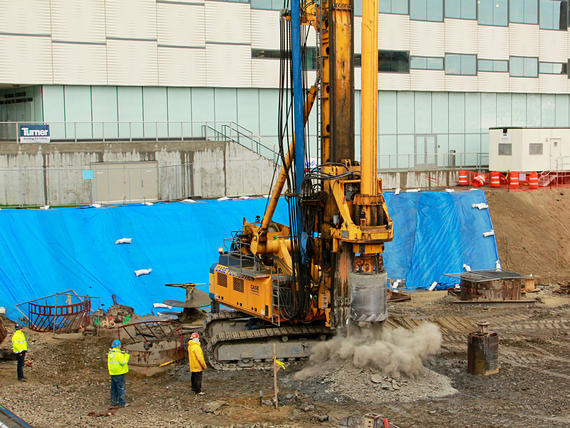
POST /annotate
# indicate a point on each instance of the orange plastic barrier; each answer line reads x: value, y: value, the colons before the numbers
x: 495, y: 179
x: 479, y: 180
x: 463, y: 178
x: 532, y: 180
x: 513, y: 179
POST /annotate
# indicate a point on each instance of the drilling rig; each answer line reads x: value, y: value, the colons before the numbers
x: 292, y: 285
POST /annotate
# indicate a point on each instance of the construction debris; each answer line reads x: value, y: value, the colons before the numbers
x: 563, y: 289
x: 490, y: 285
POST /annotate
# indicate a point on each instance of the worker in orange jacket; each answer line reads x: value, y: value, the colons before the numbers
x: 197, y: 363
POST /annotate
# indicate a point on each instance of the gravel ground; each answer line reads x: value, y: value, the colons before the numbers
x: 68, y: 381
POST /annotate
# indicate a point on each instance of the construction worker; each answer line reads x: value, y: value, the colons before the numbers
x: 197, y: 363
x: 118, y: 364
x: 20, y: 347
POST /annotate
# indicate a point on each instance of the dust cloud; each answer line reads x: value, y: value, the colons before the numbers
x: 393, y: 352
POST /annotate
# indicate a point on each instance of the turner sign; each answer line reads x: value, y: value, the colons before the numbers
x: 34, y: 133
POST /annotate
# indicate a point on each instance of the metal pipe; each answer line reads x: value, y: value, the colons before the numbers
x: 286, y: 165
x: 369, y: 122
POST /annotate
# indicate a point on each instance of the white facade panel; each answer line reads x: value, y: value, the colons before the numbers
x: 181, y: 24
x: 75, y: 21
x: 264, y: 29
x: 432, y: 80
x: 79, y: 64
x: 228, y: 22
x: 394, y: 32
x: 228, y: 65
x: 25, y: 59
x: 553, y: 46
x: 523, y: 40
x: 131, y: 19
x: 493, y: 82
x: 310, y: 35
x: 553, y: 83
x: 394, y: 81
x: 461, y: 83
x: 427, y: 38
x: 264, y: 73
x: 523, y: 84
x: 181, y: 66
x: 25, y: 17
x: 493, y: 42
x: 358, y: 35
x: 461, y: 36
x: 132, y: 62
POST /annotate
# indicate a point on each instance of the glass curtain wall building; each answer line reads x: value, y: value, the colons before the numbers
x: 448, y: 70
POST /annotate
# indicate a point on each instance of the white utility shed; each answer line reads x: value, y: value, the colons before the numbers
x: 529, y: 149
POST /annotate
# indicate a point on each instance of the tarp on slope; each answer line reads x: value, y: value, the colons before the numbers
x: 44, y: 252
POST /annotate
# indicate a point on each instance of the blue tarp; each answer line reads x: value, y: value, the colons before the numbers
x: 44, y: 252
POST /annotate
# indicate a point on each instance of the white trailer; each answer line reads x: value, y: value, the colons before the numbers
x: 529, y: 149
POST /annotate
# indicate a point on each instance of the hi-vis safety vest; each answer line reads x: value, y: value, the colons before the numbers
x: 19, y: 343
x: 117, y: 362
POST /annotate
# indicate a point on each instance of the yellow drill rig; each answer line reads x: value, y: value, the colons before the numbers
x: 293, y: 285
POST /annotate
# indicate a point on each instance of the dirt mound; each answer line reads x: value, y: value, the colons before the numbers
x: 533, y: 232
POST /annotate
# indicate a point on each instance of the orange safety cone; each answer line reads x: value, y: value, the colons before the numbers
x: 513, y: 179
x: 533, y: 180
x: 495, y: 179
x: 463, y: 178
x: 479, y: 180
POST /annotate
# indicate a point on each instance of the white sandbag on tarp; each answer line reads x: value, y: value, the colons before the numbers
x: 140, y: 272
x: 124, y: 241
x: 161, y: 305
x: 489, y: 233
x: 481, y: 206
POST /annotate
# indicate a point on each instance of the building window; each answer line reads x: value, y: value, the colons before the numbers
x: 394, y: 6
x: 426, y: 63
x: 505, y: 149
x: 535, y: 149
x: 309, y: 56
x: 553, y: 14
x: 493, y: 65
x: 461, y: 64
x: 524, y: 11
x: 266, y: 4
x: 394, y: 61
x: 523, y: 67
x: 552, y: 68
x: 493, y: 12
x: 389, y: 61
x: 463, y: 9
x: 426, y: 10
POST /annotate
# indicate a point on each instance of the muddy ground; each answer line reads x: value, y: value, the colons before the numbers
x: 68, y: 379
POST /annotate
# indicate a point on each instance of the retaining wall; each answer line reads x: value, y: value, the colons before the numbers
x: 55, y: 173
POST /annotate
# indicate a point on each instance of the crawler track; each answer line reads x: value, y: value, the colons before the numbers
x: 232, y: 346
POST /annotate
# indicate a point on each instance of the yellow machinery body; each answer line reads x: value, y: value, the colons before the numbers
x: 248, y: 293
x: 346, y: 217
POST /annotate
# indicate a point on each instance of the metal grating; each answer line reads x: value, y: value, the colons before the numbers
x: 222, y: 280
x: 238, y: 284
x: 486, y: 275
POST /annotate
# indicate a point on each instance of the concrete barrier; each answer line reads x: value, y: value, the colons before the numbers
x: 59, y: 174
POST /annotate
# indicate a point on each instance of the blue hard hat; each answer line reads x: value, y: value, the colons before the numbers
x: 116, y: 344
x: 17, y: 327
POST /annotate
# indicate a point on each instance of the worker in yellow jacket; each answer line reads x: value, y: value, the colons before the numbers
x: 20, y: 347
x: 197, y: 363
x: 118, y: 365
